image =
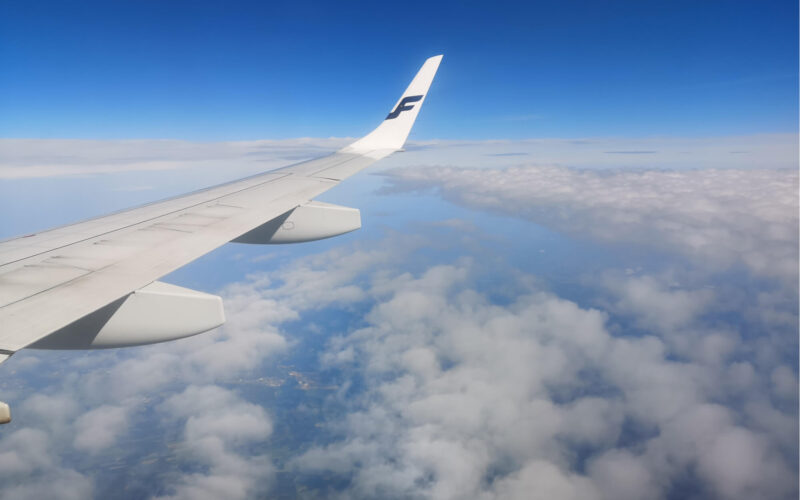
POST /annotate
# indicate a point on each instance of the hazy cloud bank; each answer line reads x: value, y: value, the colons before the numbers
x: 719, y: 218
x: 745, y: 152
x: 21, y: 158
x: 33, y: 158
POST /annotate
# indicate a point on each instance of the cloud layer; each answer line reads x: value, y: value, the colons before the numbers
x: 72, y: 424
x: 659, y: 383
x: 22, y: 158
x: 720, y: 218
x: 444, y: 392
x: 36, y: 158
x: 540, y: 398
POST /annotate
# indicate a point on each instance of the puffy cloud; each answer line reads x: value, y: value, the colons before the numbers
x: 719, y: 218
x: 92, y: 413
x: 462, y: 397
x: 740, y: 464
x: 784, y: 382
x: 97, y: 429
x: 538, y: 398
x: 219, y: 424
x: 29, y: 469
x: 657, y: 306
x: 619, y: 473
x: 543, y: 480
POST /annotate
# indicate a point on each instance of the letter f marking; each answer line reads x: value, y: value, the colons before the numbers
x: 404, y: 106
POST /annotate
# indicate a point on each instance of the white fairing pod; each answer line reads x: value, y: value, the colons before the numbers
x: 155, y: 313
x: 312, y: 221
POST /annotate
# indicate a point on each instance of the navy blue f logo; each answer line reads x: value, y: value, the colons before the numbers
x: 404, y: 106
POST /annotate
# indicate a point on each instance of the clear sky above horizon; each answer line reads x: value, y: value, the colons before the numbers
x: 252, y: 70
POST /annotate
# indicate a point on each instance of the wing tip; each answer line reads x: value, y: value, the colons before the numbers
x: 434, y: 59
x: 392, y: 133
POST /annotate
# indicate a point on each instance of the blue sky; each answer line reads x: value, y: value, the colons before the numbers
x: 252, y: 70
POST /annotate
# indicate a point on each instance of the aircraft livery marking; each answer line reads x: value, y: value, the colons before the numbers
x: 404, y: 106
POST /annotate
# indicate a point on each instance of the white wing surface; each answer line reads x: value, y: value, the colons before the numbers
x: 85, y: 273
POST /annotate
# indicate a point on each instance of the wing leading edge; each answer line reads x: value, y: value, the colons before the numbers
x: 55, y: 278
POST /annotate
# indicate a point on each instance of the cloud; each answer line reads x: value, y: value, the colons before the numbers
x: 719, y: 218
x: 655, y: 385
x: 655, y: 305
x: 39, y: 158
x: 25, y: 158
x: 97, y: 429
x: 443, y: 391
x: 29, y: 470
x: 219, y: 427
x: 658, y: 305
x: 73, y: 421
x: 763, y: 151
x: 630, y: 152
x: 536, y: 399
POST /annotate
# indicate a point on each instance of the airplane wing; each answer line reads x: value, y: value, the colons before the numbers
x: 100, y: 275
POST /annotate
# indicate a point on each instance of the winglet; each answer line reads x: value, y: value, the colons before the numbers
x: 392, y: 133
